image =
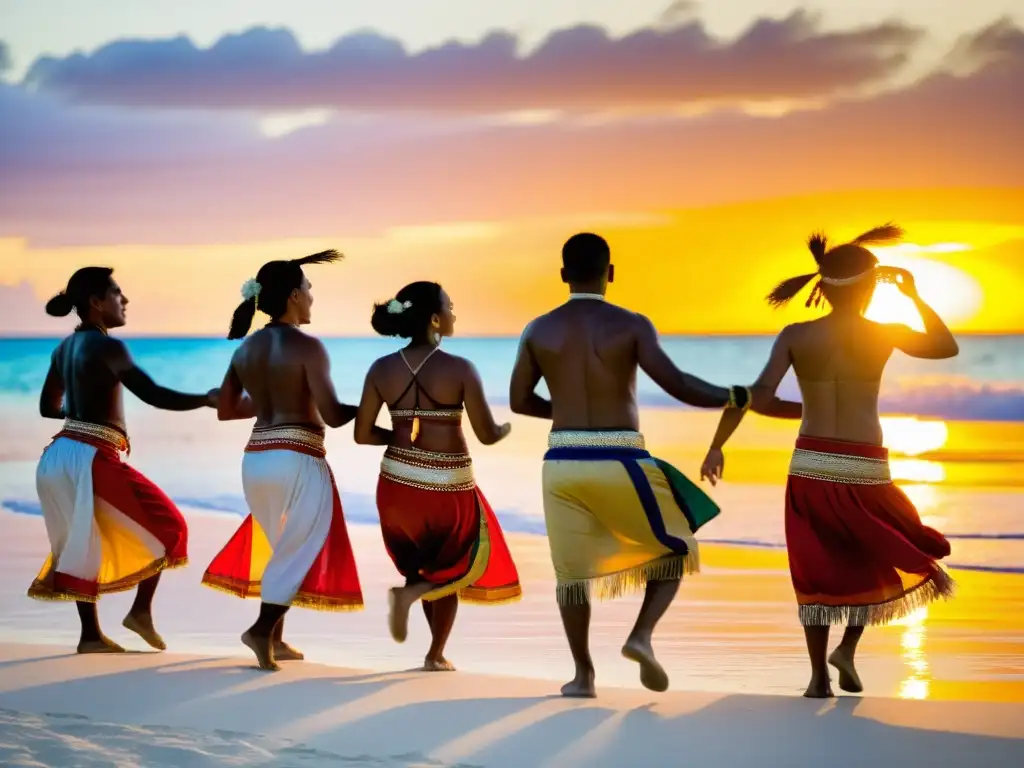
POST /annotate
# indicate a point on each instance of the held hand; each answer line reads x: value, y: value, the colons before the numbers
x: 713, y: 466
x: 212, y: 397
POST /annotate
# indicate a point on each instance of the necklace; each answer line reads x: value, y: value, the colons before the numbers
x: 590, y: 296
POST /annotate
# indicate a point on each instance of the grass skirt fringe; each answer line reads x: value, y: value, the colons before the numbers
x: 939, y: 586
x: 633, y: 580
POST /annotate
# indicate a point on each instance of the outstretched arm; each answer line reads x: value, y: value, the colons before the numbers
x: 522, y: 396
x: 318, y: 377
x: 366, y: 430
x: 763, y: 401
x: 148, y: 391
x: 233, y: 403
x: 659, y: 366
x: 51, y: 399
x: 937, y: 341
x: 479, y: 412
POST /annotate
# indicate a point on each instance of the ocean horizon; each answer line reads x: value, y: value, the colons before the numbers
x: 955, y: 429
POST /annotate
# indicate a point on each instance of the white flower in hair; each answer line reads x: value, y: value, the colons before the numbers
x: 396, y: 307
x: 251, y: 289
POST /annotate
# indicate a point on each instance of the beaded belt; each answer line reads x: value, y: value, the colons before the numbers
x: 839, y: 468
x: 111, y: 436
x: 580, y: 438
x: 304, y: 439
x: 427, y: 470
x: 410, y: 413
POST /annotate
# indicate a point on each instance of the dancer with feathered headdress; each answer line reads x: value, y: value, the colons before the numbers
x: 858, y: 551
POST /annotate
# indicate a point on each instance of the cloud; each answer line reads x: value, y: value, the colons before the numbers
x: 577, y: 69
x: 1000, y: 42
x: 5, y: 58
x: 91, y: 175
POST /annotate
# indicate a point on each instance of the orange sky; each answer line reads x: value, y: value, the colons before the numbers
x: 706, y: 186
x: 696, y: 271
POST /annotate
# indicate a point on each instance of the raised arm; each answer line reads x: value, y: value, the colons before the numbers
x: 366, y: 430
x: 479, y: 412
x: 763, y: 401
x: 522, y: 396
x: 51, y: 399
x: 233, y: 403
x: 937, y: 342
x: 318, y: 377
x: 148, y: 391
x: 659, y: 366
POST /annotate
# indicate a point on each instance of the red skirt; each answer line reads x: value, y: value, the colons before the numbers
x: 140, y: 530
x: 858, y: 551
x: 439, y: 528
x: 294, y: 548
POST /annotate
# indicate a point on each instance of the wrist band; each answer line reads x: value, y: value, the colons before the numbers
x: 739, y: 397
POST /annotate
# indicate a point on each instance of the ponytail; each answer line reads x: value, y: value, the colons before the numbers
x: 60, y: 305
x: 241, y: 320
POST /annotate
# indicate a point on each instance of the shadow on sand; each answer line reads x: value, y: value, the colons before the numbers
x: 408, y: 718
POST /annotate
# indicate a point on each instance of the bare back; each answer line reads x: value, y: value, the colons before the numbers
x: 587, y: 355
x: 588, y: 352
x: 85, y: 378
x: 839, y: 361
x: 431, y: 388
x: 92, y: 390
x: 272, y: 367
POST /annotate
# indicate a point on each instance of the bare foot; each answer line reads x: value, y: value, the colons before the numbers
x: 103, y: 645
x: 819, y: 689
x: 849, y: 680
x: 438, y: 665
x: 652, y: 674
x: 398, y: 614
x: 142, y: 625
x: 580, y: 687
x: 263, y: 649
x: 285, y: 652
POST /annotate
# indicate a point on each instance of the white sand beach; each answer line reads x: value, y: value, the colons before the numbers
x: 945, y: 688
x: 157, y: 710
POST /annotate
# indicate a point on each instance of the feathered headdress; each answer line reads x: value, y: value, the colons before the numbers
x: 841, y: 265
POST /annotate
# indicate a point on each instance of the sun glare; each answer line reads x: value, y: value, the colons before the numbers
x: 951, y: 292
x: 911, y: 436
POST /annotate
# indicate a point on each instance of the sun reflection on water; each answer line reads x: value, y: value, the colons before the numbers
x: 918, y: 681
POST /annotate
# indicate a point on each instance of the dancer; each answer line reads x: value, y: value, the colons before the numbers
x: 438, y: 528
x: 858, y: 552
x: 293, y: 549
x: 618, y: 520
x: 110, y: 528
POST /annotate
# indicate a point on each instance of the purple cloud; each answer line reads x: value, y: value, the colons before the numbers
x: 577, y: 69
x: 93, y: 175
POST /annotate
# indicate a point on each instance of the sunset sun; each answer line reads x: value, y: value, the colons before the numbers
x: 950, y: 291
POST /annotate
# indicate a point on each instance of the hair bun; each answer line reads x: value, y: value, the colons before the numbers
x: 60, y: 305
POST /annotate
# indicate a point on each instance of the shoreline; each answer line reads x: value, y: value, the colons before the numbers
x: 169, y: 710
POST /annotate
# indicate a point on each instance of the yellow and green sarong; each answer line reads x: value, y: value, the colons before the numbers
x: 616, y: 516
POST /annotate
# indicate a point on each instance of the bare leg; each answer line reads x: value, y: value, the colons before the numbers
x: 140, y: 618
x: 842, y: 660
x: 638, y: 648
x: 92, y: 639
x: 257, y: 637
x: 400, y: 600
x: 576, y: 620
x: 817, y: 645
x: 441, y: 617
x: 283, y: 651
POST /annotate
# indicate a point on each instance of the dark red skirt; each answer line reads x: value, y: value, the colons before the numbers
x: 858, y: 551
x: 447, y: 535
